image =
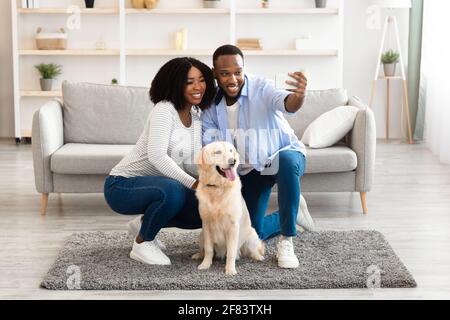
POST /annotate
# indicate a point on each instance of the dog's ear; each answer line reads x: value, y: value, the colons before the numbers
x: 202, y: 158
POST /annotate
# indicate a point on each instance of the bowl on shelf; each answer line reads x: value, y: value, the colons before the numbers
x: 151, y: 4
x: 138, y: 4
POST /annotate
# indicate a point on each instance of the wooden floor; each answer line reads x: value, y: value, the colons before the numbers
x: 409, y: 204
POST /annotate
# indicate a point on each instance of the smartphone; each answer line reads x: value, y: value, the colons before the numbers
x: 281, y: 78
x: 280, y: 81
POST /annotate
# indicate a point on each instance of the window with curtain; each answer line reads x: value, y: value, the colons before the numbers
x: 435, y: 77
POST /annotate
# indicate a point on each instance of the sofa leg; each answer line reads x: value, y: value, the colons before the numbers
x: 363, y: 202
x: 44, y: 202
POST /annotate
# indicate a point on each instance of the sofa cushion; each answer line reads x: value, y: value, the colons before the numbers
x: 316, y: 103
x: 330, y: 127
x: 104, y: 114
x: 78, y: 158
x: 338, y: 158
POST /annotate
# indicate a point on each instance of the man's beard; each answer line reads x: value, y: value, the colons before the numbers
x: 233, y: 98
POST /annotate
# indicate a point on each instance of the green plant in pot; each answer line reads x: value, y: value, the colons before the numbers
x: 48, y: 72
x: 389, y: 60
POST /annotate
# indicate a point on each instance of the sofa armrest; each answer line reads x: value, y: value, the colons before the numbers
x: 47, y: 137
x: 363, y: 142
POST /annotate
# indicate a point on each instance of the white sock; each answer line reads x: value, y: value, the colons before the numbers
x: 286, y: 238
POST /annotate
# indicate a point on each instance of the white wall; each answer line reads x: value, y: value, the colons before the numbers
x: 360, y: 53
x: 6, y: 74
x: 361, y: 46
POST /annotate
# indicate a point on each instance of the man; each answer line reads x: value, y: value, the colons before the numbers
x: 248, y: 112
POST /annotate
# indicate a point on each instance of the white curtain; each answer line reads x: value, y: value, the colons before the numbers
x: 435, y: 76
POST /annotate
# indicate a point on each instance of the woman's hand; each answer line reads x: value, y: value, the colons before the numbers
x: 195, y: 185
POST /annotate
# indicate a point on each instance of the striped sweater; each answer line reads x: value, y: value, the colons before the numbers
x: 165, y: 148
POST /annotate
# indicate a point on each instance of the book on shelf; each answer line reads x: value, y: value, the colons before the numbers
x: 249, y: 43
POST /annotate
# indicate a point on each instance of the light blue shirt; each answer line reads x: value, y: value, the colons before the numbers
x: 263, y: 130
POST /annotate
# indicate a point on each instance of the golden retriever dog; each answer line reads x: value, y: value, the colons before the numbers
x: 227, y: 229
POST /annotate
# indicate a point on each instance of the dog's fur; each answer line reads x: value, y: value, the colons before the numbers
x: 227, y: 229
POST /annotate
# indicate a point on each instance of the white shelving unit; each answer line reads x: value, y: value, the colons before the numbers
x: 235, y: 19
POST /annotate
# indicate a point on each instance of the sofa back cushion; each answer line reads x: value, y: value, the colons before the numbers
x: 316, y: 103
x: 104, y: 114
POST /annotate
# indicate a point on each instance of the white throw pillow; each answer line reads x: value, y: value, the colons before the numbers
x: 330, y: 127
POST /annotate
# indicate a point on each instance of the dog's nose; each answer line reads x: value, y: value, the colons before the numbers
x: 231, y: 162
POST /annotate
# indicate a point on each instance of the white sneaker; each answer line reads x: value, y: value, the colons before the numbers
x: 148, y: 252
x: 304, y: 219
x: 285, y: 255
x: 134, y: 226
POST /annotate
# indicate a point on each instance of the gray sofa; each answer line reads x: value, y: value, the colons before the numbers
x: 76, y: 143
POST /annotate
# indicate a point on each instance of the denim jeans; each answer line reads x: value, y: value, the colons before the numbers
x: 164, y: 202
x: 256, y: 190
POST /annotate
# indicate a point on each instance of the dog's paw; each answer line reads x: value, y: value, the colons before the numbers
x: 204, y: 266
x: 197, y: 256
x: 258, y: 257
x: 230, y: 271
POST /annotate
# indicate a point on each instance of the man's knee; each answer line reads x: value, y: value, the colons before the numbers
x: 291, y: 162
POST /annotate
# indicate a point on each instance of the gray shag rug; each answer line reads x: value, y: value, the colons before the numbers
x: 328, y: 260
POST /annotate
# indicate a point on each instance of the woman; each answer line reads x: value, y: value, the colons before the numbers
x: 158, y: 177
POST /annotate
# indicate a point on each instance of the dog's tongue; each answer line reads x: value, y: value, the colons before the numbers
x: 229, y: 174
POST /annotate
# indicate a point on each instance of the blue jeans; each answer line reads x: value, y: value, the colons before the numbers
x: 164, y: 202
x: 256, y: 190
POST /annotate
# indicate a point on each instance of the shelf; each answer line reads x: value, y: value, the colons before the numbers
x: 64, y: 11
x: 125, y: 57
x: 309, y: 52
x: 178, y: 11
x: 169, y: 52
x: 69, y: 52
x: 208, y: 52
x: 326, y: 11
x: 112, y: 10
x: 389, y: 78
x: 51, y: 94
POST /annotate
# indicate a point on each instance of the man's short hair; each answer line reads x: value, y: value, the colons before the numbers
x: 226, y: 50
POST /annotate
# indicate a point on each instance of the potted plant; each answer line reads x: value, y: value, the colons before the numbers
x: 211, y: 3
x: 48, y: 73
x: 89, y: 3
x: 389, y: 60
x: 114, y: 81
x: 321, y: 3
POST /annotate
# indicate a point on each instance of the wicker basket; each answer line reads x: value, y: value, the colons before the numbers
x: 51, y: 41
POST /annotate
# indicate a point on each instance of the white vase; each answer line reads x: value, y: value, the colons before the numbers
x: 46, y: 84
x: 389, y: 69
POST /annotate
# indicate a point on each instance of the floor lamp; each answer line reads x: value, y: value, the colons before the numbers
x: 392, y: 19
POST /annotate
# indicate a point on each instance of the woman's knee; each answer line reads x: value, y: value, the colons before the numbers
x: 174, y: 194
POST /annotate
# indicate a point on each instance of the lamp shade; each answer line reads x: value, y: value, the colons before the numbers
x: 392, y: 4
